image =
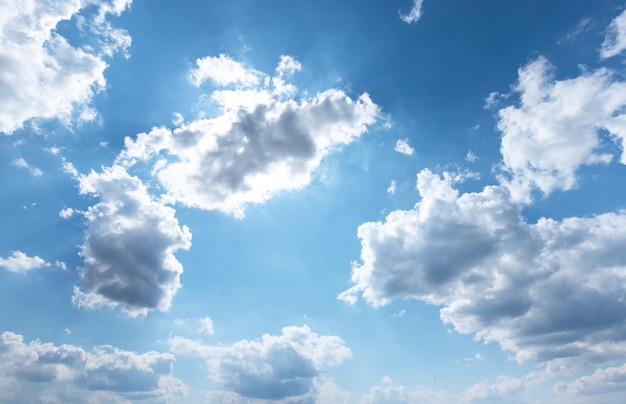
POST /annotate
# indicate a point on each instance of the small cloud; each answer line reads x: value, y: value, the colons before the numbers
x: 206, y: 326
x: 287, y: 65
x: 179, y: 119
x: 53, y: 150
x: 386, y: 380
x: 21, y: 163
x: 414, y: 14
x: 67, y: 213
x: 20, y: 262
x: 491, y: 100
x: 471, y: 157
x: 475, y: 127
x: 402, y: 146
x: 67, y: 331
x: 103, y: 144
x: 392, y: 188
x: 399, y: 314
x: 61, y: 265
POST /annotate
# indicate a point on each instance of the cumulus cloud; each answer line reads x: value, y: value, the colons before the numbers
x: 129, y: 246
x: 33, y: 371
x: 506, y: 389
x: 552, y: 291
x: 609, y: 382
x: 41, y: 74
x: 20, y: 262
x: 402, y: 146
x: 615, y: 40
x: 263, y: 142
x: 223, y: 70
x: 557, y: 128
x: 394, y: 394
x: 414, y: 14
x: 285, y: 366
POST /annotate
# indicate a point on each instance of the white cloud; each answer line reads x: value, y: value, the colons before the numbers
x: 260, y: 145
x: 206, y: 326
x: 66, y: 213
x: 506, y: 389
x: 36, y: 370
x: 275, y: 367
x: 492, y: 99
x: 552, y: 292
x: 615, y: 41
x: 41, y: 74
x: 20, y: 262
x: 556, y: 128
x: 402, y: 146
x: 287, y: 65
x: 391, y: 190
x: 600, y: 386
x: 471, y: 157
x: 21, y: 163
x: 392, y: 394
x: 414, y: 14
x: 129, y: 246
x: 224, y: 71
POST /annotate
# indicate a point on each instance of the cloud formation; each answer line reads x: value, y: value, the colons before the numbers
x: 129, y: 246
x: 285, y: 366
x: 20, y: 262
x: 552, y: 292
x: 41, y: 74
x: 402, y: 146
x: 414, y: 14
x: 263, y: 142
x: 558, y: 127
x: 44, y: 372
x: 615, y: 41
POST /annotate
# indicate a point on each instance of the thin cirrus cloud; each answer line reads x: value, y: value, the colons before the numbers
x: 615, y: 41
x: 41, y: 371
x: 275, y: 367
x: 43, y: 76
x: 265, y: 141
x: 129, y: 245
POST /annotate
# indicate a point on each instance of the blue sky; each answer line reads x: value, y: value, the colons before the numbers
x: 312, y: 201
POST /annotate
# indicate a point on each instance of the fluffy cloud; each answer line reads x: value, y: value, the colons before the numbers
x: 600, y: 386
x: 403, y: 395
x: 41, y: 74
x: 224, y: 71
x: 615, y: 41
x: 552, y: 292
x: 557, y: 128
x: 263, y: 142
x: 275, y: 367
x: 402, y: 146
x: 129, y: 245
x: 44, y: 372
x: 414, y: 14
x: 20, y: 262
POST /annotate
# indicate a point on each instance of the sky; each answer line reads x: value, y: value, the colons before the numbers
x: 357, y: 201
